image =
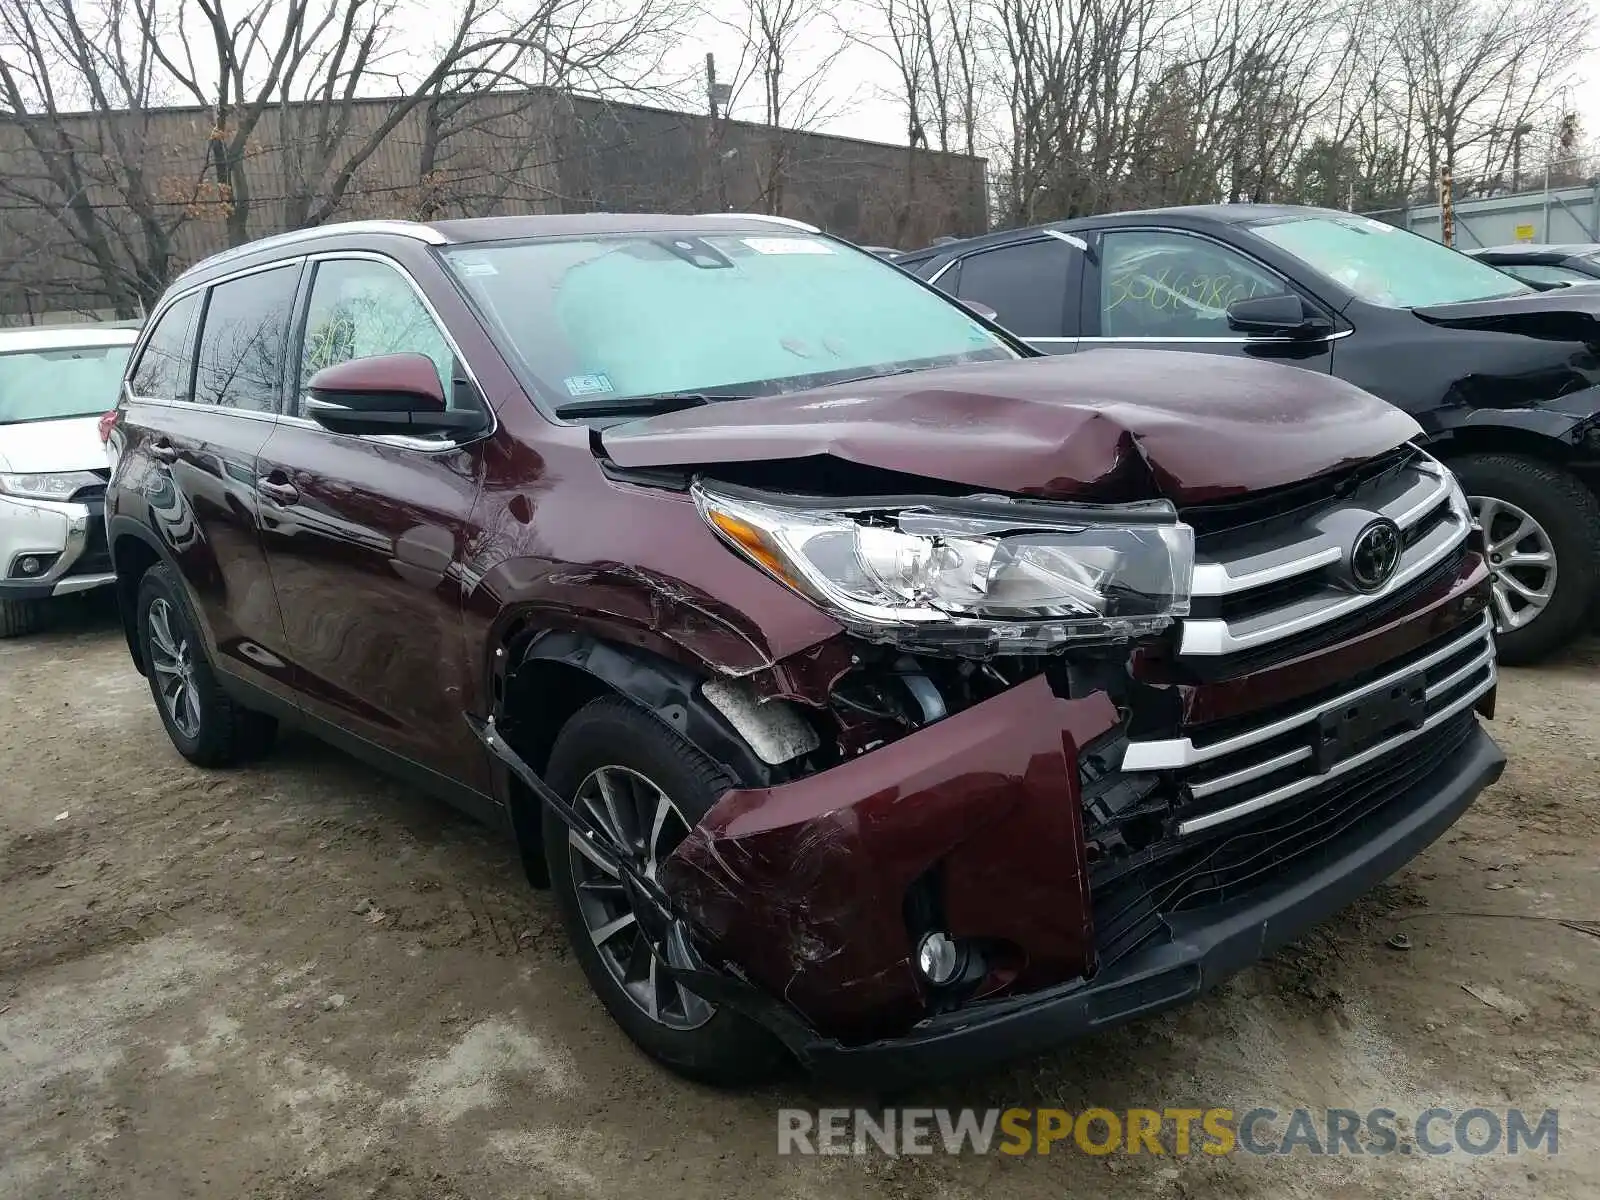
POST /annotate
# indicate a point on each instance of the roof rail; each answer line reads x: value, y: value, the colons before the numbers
x: 789, y: 221
x: 410, y: 229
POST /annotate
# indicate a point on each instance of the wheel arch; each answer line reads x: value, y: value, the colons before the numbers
x: 542, y: 678
x: 134, y: 550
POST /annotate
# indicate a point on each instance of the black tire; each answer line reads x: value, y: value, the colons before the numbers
x: 18, y: 617
x: 728, y: 1049
x: 228, y: 733
x: 1570, y: 515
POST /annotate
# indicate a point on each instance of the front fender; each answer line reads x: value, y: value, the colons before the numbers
x: 1572, y: 419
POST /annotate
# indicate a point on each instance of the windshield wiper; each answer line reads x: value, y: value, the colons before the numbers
x: 874, y: 375
x: 636, y: 406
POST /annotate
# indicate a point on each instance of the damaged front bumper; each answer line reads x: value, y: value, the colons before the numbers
x: 1198, y: 951
x: 805, y: 900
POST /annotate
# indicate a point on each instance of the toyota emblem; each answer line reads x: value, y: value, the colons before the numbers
x: 1375, y: 555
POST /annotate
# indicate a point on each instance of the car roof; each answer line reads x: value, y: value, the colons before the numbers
x: 61, y: 337
x: 469, y: 230
x: 1198, y: 215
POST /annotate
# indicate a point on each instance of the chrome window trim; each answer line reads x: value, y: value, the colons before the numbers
x: 401, y: 441
x: 1176, y: 753
x: 937, y: 275
x: 1070, y: 239
x: 168, y: 300
x: 1228, y: 341
x: 415, y: 230
x: 1355, y: 761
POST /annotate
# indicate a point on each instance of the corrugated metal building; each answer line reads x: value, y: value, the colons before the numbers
x: 499, y: 153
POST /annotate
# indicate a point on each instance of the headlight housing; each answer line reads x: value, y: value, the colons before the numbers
x: 984, y: 574
x: 53, y: 486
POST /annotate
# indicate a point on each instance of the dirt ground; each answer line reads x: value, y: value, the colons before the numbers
x: 302, y: 980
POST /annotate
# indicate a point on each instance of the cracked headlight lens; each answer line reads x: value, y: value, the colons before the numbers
x: 983, y: 574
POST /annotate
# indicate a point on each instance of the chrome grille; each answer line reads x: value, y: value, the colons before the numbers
x: 1224, y: 778
x: 1261, y: 585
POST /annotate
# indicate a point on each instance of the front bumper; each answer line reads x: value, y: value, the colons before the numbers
x: 74, y: 533
x: 799, y: 892
x: 1202, y: 949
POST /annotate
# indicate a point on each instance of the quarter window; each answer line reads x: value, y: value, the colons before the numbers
x: 360, y: 308
x: 242, y: 339
x: 1026, y: 285
x: 163, y: 370
x: 1156, y: 284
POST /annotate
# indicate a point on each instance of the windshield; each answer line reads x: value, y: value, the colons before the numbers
x: 70, y: 381
x: 746, y: 314
x: 1385, y: 265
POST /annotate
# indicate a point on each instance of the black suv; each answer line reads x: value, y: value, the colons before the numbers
x: 1500, y: 375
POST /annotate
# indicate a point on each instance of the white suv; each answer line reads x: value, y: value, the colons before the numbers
x: 55, y: 383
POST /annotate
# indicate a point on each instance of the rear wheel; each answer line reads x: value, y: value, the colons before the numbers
x: 643, y: 788
x: 207, y: 726
x: 1541, y: 526
x: 18, y: 617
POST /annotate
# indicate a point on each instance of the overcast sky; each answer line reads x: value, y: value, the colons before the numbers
x: 862, y: 82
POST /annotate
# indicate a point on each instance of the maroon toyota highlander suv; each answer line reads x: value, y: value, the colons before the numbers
x: 867, y: 688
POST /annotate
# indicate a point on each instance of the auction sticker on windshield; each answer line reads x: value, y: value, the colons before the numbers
x: 781, y: 245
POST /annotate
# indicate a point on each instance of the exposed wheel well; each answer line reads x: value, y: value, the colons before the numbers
x: 540, y: 697
x: 132, y: 557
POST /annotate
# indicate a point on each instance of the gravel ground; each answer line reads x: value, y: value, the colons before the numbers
x: 303, y: 980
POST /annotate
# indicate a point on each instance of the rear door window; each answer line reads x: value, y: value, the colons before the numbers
x: 163, y: 370
x: 243, y: 339
x: 1026, y: 285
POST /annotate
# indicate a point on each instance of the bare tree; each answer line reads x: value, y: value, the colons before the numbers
x: 1476, y: 75
x: 790, y: 47
x: 93, y: 203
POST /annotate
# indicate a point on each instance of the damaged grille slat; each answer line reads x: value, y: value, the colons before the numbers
x: 1225, y: 862
x: 1183, y: 752
x: 1228, y: 778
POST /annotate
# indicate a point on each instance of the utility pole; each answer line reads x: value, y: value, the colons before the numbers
x: 1447, y: 216
x: 711, y: 83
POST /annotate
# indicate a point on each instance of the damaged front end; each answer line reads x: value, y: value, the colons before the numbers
x: 966, y: 826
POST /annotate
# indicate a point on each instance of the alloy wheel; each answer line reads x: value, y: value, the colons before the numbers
x: 172, y: 659
x: 1522, y: 562
x: 639, y: 822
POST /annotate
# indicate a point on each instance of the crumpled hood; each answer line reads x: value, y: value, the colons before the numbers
x: 1569, y: 314
x: 1105, y: 425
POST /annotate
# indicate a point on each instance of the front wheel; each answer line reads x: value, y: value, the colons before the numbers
x: 642, y: 788
x: 1541, y: 528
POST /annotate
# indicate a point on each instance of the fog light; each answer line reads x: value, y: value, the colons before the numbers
x: 30, y: 565
x: 940, y: 958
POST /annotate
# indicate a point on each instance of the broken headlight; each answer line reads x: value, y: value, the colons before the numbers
x: 986, y: 573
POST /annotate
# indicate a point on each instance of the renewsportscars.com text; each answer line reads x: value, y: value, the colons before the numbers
x: 1176, y: 1132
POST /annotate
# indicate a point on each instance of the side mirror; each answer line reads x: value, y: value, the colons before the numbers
x: 386, y: 393
x: 983, y: 310
x: 1283, y: 315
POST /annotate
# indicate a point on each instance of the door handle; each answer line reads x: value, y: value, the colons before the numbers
x: 278, y: 491
x: 164, y: 451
